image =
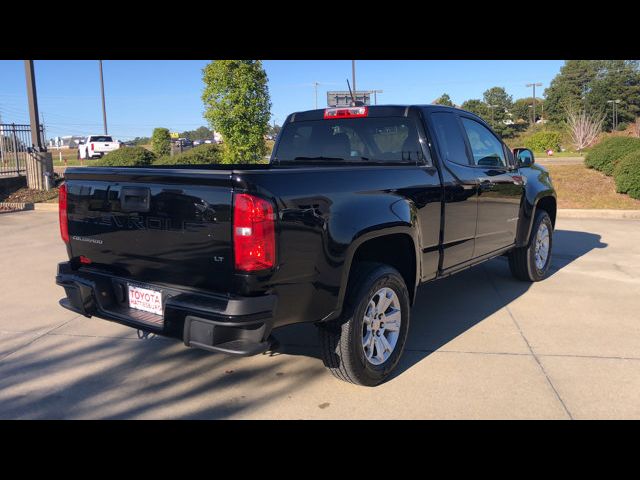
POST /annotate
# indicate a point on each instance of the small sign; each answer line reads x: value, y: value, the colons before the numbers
x: 175, y: 135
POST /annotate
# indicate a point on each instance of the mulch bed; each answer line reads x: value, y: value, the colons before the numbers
x: 29, y: 195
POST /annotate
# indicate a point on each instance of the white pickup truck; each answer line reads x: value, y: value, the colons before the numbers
x: 95, y: 146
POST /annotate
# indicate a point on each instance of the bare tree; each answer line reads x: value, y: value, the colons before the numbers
x: 584, y: 128
x: 636, y: 127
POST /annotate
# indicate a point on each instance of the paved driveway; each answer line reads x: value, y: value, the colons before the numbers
x: 482, y: 345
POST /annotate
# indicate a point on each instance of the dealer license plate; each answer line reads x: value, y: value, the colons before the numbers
x: 145, y: 299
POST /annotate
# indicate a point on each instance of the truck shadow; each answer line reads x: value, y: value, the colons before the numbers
x: 447, y: 308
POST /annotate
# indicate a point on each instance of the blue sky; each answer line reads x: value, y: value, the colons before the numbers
x: 142, y: 95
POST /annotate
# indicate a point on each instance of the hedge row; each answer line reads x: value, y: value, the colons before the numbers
x: 205, y: 154
x: 620, y: 157
x: 544, y: 140
x: 127, y: 157
x: 606, y: 154
x: 627, y: 174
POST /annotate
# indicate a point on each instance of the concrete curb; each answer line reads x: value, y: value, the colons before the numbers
x: 598, y: 213
x: 19, y: 207
x: 47, y: 207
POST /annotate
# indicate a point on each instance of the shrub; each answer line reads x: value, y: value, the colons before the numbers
x: 205, y: 154
x: 604, y: 155
x: 544, y: 140
x: 627, y: 174
x: 127, y: 157
x: 161, y: 141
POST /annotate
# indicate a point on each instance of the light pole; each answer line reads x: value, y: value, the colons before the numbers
x: 353, y: 79
x: 614, y: 113
x: 534, y: 85
x: 104, y: 110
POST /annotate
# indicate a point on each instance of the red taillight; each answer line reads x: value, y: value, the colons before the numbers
x: 254, y: 240
x: 85, y: 260
x: 62, y: 211
x: 350, y: 112
x: 92, y: 147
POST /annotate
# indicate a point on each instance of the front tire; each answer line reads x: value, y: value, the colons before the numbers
x: 365, y: 345
x: 531, y: 263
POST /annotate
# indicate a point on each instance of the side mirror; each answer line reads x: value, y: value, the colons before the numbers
x: 524, y: 157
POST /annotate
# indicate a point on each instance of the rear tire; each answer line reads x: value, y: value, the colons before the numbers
x: 531, y: 263
x: 352, y: 347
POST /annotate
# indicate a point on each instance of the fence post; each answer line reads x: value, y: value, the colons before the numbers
x: 15, y: 148
x: 2, y: 137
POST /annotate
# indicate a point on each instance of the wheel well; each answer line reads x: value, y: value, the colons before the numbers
x: 548, y: 204
x: 396, y: 250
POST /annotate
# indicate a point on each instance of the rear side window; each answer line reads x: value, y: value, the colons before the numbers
x: 486, y: 148
x: 450, y: 140
x: 375, y: 139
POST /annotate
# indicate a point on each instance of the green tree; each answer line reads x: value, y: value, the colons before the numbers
x: 141, y: 141
x: 444, y: 99
x: 522, y: 109
x: 478, y: 107
x: 616, y: 80
x: 200, y: 133
x: 161, y: 141
x: 569, y: 89
x: 237, y: 105
x: 499, y: 102
x: 589, y: 84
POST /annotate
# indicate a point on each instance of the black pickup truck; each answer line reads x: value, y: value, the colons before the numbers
x: 357, y: 207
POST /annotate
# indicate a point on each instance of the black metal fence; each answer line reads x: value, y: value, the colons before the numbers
x: 15, y: 141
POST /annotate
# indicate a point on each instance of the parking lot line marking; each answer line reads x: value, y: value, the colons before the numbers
x: 540, y: 355
x: 37, y: 338
x: 515, y: 322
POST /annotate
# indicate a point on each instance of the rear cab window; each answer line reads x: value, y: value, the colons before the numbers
x: 102, y: 138
x: 368, y: 139
x: 450, y: 138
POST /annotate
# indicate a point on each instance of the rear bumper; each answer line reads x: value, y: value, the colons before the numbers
x: 215, y: 322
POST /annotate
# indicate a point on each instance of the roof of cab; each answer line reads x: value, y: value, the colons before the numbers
x: 374, y: 111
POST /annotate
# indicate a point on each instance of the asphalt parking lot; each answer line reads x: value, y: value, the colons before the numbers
x: 481, y: 345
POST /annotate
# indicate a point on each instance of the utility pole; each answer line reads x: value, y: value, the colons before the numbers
x: 39, y: 162
x: 44, y: 129
x: 315, y: 85
x: 104, y: 110
x: 534, y: 85
x: 33, y: 105
x: 614, y: 113
x: 353, y: 79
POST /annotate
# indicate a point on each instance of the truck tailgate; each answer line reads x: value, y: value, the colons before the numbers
x: 163, y: 226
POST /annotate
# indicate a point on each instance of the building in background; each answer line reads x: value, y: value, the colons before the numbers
x: 343, y: 99
x: 68, y: 141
